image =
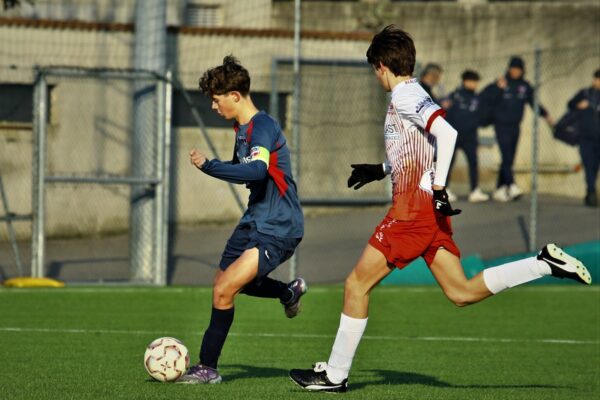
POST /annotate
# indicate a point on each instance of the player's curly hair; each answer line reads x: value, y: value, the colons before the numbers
x: 230, y: 76
x: 393, y: 48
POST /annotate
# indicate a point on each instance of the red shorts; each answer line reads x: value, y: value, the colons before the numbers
x: 401, y: 242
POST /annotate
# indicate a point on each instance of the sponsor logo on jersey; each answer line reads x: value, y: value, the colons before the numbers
x: 390, y: 129
x: 426, y: 102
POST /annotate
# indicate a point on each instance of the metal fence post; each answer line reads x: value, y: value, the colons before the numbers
x: 296, y: 115
x: 158, y: 277
x: 167, y: 172
x: 37, y: 183
x: 163, y: 145
x: 533, y: 213
x: 150, y: 55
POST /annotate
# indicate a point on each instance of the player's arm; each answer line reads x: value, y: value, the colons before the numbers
x: 578, y: 102
x: 445, y: 136
x: 254, y: 170
x: 365, y: 173
x: 543, y: 112
x: 234, y: 159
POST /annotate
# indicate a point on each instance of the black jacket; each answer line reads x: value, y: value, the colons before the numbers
x: 588, y: 122
x: 463, y: 113
x: 506, y: 106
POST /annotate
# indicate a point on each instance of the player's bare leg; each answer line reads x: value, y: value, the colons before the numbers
x: 229, y: 283
x: 226, y: 286
x: 332, y: 376
x: 370, y: 269
x: 449, y: 273
x: 551, y: 260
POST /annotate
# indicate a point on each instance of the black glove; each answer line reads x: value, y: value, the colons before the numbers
x: 442, y: 205
x: 365, y: 173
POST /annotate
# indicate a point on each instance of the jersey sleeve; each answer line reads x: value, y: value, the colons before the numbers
x: 263, y: 140
x: 421, y: 110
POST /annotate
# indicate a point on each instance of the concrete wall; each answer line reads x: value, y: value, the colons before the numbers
x: 342, y: 109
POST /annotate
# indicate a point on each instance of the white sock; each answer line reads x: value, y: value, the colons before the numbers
x: 514, y: 273
x: 344, y: 347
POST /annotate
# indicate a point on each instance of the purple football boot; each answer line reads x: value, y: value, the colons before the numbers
x: 200, y: 374
x: 298, y: 288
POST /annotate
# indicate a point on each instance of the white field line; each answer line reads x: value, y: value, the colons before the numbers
x: 310, y: 336
x: 316, y: 290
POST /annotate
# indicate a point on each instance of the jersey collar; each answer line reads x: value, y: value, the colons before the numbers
x: 400, y: 85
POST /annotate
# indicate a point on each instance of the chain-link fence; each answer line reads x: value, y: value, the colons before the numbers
x: 85, y: 181
x: 333, y: 118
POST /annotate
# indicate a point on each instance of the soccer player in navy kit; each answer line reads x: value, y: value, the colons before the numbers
x: 271, y: 227
x: 419, y: 145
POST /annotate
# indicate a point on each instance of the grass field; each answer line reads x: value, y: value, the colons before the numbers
x: 88, y: 343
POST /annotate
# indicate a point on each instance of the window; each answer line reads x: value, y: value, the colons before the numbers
x: 182, y: 114
x: 205, y: 15
x: 16, y: 102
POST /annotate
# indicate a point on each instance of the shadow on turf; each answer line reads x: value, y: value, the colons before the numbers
x: 385, y: 377
x: 239, y: 371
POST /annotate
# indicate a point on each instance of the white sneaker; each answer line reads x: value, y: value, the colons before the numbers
x: 477, y: 196
x: 501, y: 194
x: 514, y: 192
x: 451, y: 196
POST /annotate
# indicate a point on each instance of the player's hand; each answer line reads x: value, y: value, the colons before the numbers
x: 365, y: 173
x: 583, y: 104
x: 442, y: 204
x: 501, y: 82
x: 197, y: 158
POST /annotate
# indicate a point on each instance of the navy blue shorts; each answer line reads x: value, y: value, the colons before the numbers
x: 272, y: 250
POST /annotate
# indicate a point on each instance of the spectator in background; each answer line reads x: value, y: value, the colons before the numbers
x: 587, y: 101
x: 508, y: 96
x: 462, y: 108
x: 430, y: 77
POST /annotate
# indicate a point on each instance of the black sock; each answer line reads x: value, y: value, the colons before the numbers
x: 214, y: 337
x: 269, y: 288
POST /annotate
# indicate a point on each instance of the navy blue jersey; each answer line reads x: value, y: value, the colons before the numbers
x: 463, y: 114
x: 261, y: 160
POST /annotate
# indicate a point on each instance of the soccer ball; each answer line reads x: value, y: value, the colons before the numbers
x: 166, y: 359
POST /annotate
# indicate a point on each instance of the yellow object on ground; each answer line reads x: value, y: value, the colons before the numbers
x: 28, y: 282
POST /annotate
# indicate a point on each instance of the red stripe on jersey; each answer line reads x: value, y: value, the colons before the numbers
x: 440, y: 112
x: 277, y: 174
x: 249, y: 132
x: 236, y: 128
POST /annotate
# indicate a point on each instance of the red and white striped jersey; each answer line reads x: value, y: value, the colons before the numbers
x: 410, y: 150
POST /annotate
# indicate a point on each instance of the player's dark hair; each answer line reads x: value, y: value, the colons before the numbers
x: 597, y: 74
x: 431, y: 68
x: 393, y: 48
x: 470, y: 75
x: 230, y: 76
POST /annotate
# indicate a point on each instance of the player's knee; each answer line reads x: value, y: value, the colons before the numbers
x: 353, y: 286
x: 222, y: 294
x: 460, y: 298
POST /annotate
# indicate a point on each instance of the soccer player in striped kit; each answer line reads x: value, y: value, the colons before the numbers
x: 419, y: 145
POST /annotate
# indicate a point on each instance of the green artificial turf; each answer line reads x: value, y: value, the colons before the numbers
x: 539, y: 342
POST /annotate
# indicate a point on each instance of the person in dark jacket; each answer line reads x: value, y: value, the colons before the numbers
x: 587, y: 102
x: 509, y: 95
x: 462, y: 108
x: 430, y: 77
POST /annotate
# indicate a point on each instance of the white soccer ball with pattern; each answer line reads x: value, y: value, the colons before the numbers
x: 166, y: 359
